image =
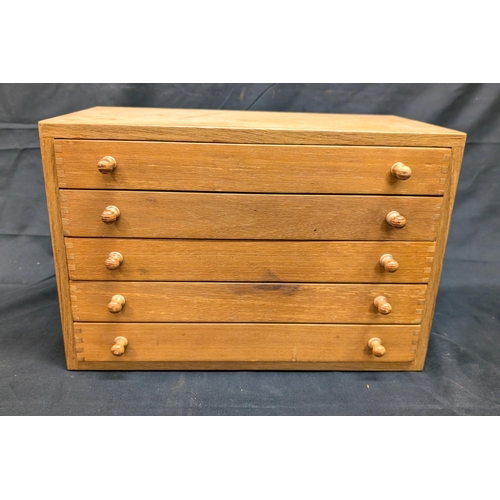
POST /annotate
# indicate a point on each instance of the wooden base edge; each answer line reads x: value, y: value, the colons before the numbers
x: 248, y: 366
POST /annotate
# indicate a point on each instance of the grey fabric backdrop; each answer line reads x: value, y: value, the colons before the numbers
x: 462, y: 373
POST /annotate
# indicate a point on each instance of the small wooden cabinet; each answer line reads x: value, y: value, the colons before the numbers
x: 247, y: 240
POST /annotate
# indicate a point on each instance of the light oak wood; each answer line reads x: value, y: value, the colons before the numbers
x: 300, y: 238
x: 61, y: 268
x: 246, y: 343
x: 344, y: 366
x: 375, y: 344
x: 260, y: 261
x: 435, y: 274
x: 251, y: 168
x: 151, y: 214
x: 247, y: 127
x: 246, y: 302
x: 118, y: 348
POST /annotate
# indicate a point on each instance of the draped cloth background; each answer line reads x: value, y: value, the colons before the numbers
x: 462, y: 372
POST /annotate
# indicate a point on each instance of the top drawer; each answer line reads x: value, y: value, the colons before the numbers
x: 247, y: 168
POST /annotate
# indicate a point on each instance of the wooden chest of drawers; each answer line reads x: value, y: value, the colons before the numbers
x: 240, y: 240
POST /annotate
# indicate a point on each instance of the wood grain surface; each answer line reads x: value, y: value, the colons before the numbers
x: 59, y: 250
x: 257, y: 127
x: 153, y: 214
x: 250, y: 240
x: 205, y: 342
x: 250, y: 168
x: 245, y: 302
x: 435, y: 275
x: 260, y: 261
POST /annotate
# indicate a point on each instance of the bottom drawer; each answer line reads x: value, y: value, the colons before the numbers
x: 245, y: 343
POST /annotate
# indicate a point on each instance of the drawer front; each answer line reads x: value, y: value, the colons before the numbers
x: 250, y: 168
x: 261, y: 261
x: 245, y: 343
x: 244, y: 302
x: 153, y: 214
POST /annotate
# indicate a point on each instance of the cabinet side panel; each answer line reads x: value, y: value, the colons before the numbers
x: 442, y: 236
x: 62, y: 277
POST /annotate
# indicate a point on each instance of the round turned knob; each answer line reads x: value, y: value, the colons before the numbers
x: 110, y: 214
x: 401, y: 171
x: 388, y: 263
x: 116, y: 304
x: 114, y: 260
x: 382, y: 305
x: 395, y: 219
x: 106, y: 165
x: 376, y: 346
x: 119, y: 346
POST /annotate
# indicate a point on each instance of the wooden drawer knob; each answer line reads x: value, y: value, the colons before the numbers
x: 376, y: 346
x: 119, y: 346
x: 106, y: 165
x: 111, y: 214
x: 395, y: 219
x: 116, y: 304
x: 388, y: 262
x: 401, y: 171
x: 114, y: 260
x: 382, y: 305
